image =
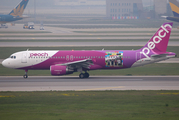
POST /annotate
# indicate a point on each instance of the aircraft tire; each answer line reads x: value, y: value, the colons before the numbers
x: 25, y: 76
x: 86, y: 75
x: 81, y: 76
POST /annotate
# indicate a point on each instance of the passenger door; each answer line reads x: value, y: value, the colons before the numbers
x: 24, y: 57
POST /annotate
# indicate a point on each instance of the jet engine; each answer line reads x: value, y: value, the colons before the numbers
x: 60, y: 70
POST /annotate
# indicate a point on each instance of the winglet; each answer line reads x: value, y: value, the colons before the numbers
x: 19, y: 9
x: 159, y: 42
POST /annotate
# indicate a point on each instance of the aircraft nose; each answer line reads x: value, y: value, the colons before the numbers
x: 5, y: 63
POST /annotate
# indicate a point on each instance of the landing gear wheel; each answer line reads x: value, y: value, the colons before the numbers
x: 25, y: 76
x: 86, y: 75
x: 81, y: 75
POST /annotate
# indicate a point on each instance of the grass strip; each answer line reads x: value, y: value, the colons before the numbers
x: 90, y: 105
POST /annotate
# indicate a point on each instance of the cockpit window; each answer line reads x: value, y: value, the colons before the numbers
x: 12, y: 57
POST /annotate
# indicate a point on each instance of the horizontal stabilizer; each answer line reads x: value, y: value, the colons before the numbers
x: 159, y: 56
x: 164, y: 16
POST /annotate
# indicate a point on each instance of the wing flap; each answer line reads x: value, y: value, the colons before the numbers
x: 77, y: 64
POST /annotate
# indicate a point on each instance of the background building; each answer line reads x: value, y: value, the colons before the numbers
x: 160, y: 7
x: 116, y: 9
x: 125, y: 9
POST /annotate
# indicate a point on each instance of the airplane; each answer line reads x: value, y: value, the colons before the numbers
x: 174, y: 4
x: 15, y: 14
x: 66, y: 62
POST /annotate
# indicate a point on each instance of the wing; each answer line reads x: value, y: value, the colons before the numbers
x: 78, y: 64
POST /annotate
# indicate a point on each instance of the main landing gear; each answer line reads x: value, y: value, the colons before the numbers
x: 84, y: 75
x: 25, y: 76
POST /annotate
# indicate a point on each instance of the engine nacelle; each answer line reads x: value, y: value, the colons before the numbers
x: 60, y: 70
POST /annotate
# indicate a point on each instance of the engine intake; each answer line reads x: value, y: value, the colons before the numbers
x: 58, y: 70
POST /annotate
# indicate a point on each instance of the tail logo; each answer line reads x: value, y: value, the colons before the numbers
x: 162, y: 33
x: 18, y: 11
x: 157, y: 39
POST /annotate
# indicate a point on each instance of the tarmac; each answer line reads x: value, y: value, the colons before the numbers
x: 94, y: 83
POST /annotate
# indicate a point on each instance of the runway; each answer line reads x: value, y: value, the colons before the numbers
x: 48, y: 83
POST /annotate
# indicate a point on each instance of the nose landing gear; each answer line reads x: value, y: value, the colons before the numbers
x: 25, y: 76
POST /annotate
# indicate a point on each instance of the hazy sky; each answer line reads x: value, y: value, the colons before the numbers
x: 42, y: 3
x: 42, y: 6
x: 13, y: 3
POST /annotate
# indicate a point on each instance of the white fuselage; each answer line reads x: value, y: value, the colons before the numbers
x: 27, y: 58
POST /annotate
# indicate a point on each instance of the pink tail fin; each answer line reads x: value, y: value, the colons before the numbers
x: 159, y: 42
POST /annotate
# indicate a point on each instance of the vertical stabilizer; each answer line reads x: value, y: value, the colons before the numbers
x: 159, y: 42
x: 155, y: 49
x: 18, y: 11
x: 174, y: 4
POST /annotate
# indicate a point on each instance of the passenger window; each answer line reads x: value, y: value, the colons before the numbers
x: 14, y: 57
